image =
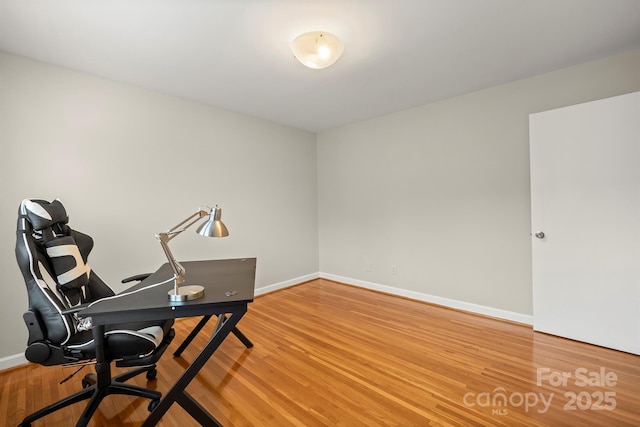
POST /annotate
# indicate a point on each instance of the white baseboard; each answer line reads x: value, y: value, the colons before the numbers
x: 446, y: 302
x: 12, y: 361
x: 286, y: 284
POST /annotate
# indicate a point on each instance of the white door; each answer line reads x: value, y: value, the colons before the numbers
x: 585, y: 199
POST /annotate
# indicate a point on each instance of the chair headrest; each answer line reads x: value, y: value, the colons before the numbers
x: 42, y: 214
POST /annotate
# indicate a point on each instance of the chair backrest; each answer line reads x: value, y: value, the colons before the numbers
x: 53, y: 261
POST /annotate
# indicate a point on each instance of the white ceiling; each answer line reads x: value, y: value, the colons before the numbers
x: 235, y: 54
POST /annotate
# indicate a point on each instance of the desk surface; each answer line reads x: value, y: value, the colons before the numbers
x: 228, y: 284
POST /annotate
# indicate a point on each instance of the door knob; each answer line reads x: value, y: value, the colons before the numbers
x: 539, y: 234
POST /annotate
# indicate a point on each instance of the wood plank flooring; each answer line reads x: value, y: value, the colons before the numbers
x: 328, y: 354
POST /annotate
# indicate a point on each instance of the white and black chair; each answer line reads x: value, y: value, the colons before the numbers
x: 53, y: 260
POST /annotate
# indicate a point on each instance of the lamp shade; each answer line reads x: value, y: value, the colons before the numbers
x: 214, y: 227
x: 317, y: 49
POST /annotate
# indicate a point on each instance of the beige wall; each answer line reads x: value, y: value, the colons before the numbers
x: 441, y: 192
x: 129, y: 163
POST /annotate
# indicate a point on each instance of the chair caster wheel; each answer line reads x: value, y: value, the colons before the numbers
x: 153, y: 404
x: 86, y: 383
x: 151, y: 374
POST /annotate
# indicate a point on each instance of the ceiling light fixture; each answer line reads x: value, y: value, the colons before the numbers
x: 317, y: 49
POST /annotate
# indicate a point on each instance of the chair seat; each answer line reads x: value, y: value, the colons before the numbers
x: 127, y: 339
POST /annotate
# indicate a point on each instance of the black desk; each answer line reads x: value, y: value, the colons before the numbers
x: 229, y: 288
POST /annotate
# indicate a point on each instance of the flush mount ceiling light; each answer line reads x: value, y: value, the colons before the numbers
x: 317, y: 49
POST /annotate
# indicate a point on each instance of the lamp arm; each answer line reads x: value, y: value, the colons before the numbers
x: 178, y: 269
x: 177, y: 229
x: 167, y: 236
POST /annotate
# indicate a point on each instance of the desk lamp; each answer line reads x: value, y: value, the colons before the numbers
x: 212, y: 228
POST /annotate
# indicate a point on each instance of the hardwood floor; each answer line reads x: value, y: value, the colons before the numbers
x: 328, y: 354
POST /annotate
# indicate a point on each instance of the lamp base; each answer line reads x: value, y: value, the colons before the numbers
x: 186, y: 293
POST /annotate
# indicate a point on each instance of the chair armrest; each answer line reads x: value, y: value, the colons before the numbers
x: 136, y: 278
x: 75, y: 309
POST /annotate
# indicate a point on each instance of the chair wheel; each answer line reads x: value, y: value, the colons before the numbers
x: 153, y: 404
x: 86, y: 383
x: 151, y: 374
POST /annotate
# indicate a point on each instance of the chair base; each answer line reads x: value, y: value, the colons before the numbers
x: 95, y: 392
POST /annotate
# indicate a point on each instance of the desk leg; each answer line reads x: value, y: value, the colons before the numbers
x: 247, y: 343
x: 178, y: 394
x: 103, y: 377
x: 192, y: 335
x: 199, y: 327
